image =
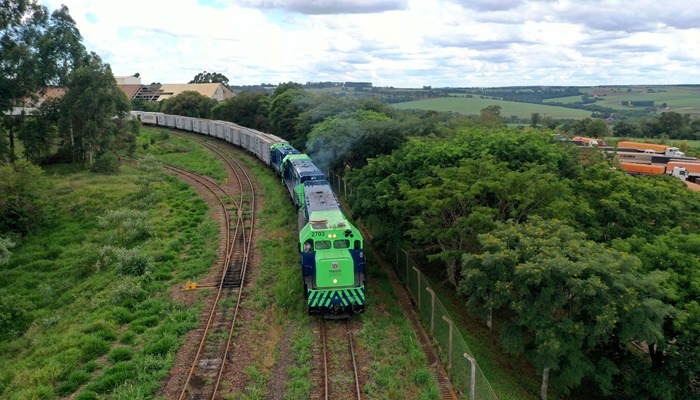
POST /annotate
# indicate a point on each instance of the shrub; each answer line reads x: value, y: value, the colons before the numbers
x: 86, y: 395
x: 113, y: 377
x: 122, y: 315
x: 128, y: 292
x: 75, y: 379
x: 120, y: 354
x: 107, y: 163
x: 127, y: 261
x: 161, y: 346
x: 130, y: 224
x: 5, y: 245
x: 93, y: 346
x: 149, y: 321
x: 127, y: 337
x: 101, y: 330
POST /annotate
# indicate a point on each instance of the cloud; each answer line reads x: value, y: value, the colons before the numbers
x: 396, y: 43
x: 325, y: 7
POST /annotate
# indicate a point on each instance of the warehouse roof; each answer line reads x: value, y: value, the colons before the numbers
x: 130, y: 90
x: 215, y: 91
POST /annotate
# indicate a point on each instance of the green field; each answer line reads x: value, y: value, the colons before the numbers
x: 472, y: 106
x: 681, y: 99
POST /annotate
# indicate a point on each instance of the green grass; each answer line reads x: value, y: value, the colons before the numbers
x: 473, y: 106
x: 180, y: 152
x: 75, y: 305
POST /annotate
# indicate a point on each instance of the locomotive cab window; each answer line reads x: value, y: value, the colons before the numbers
x: 341, y: 244
x: 323, y: 244
x: 357, y: 245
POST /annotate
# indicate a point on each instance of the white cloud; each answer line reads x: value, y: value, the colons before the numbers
x: 396, y: 42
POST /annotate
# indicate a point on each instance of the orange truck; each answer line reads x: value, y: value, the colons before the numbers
x: 683, y: 170
x: 589, y: 142
x: 652, y: 148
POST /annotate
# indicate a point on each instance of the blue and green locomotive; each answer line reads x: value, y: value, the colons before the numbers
x: 332, y: 249
x: 332, y: 260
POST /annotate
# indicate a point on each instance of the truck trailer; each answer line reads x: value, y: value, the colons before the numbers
x: 651, y: 148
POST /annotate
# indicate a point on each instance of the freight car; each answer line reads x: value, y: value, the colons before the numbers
x: 332, y: 267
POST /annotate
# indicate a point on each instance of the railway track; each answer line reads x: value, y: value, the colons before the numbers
x: 210, y: 362
x: 340, y: 363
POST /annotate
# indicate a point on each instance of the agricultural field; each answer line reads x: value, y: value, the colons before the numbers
x: 681, y: 99
x: 472, y: 106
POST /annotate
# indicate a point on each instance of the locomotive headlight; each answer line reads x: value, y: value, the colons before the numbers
x: 335, y: 281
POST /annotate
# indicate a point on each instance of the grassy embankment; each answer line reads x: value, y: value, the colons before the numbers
x: 94, y: 326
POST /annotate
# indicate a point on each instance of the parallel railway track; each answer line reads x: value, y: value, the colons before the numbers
x: 210, y: 362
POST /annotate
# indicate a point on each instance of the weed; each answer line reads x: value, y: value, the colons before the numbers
x: 121, y: 354
x: 128, y: 337
x: 93, y: 346
x: 161, y: 346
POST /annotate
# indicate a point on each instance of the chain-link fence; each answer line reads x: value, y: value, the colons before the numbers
x: 454, y: 352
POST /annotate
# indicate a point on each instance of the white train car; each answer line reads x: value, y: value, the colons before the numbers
x: 187, y: 124
x: 247, y: 139
x: 203, y: 126
x: 149, y: 118
x: 220, y: 129
x: 170, y: 121
x: 231, y: 134
x: 160, y: 119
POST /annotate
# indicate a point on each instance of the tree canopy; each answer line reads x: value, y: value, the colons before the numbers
x: 210, y: 77
x: 189, y: 104
x: 37, y: 50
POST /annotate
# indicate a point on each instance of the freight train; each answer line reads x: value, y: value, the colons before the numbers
x: 332, y: 260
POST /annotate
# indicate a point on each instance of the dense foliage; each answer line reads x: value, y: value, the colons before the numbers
x: 578, y: 259
x: 84, y: 120
x: 37, y: 50
x: 668, y: 125
x: 189, y: 104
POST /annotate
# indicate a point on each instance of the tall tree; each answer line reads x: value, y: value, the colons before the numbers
x: 285, y: 112
x: 36, y: 51
x: 210, y: 77
x: 22, y: 24
x: 597, y: 129
x: 95, y: 113
x: 250, y: 109
x: 567, y: 297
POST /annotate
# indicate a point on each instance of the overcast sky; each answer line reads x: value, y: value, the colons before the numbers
x: 400, y: 43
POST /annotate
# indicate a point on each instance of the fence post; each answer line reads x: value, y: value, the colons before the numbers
x: 418, y: 286
x: 345, y: 185
x: 472, y: 381
x: 449, y: 321
x: 406, y: 253
x: 432, y: 310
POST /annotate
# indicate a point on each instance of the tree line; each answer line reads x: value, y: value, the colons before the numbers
x: 668, y: 125
x: 84, y: 122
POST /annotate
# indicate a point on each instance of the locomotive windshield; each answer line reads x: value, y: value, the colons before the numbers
x: 341, y: 244
x: 323, y: 244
